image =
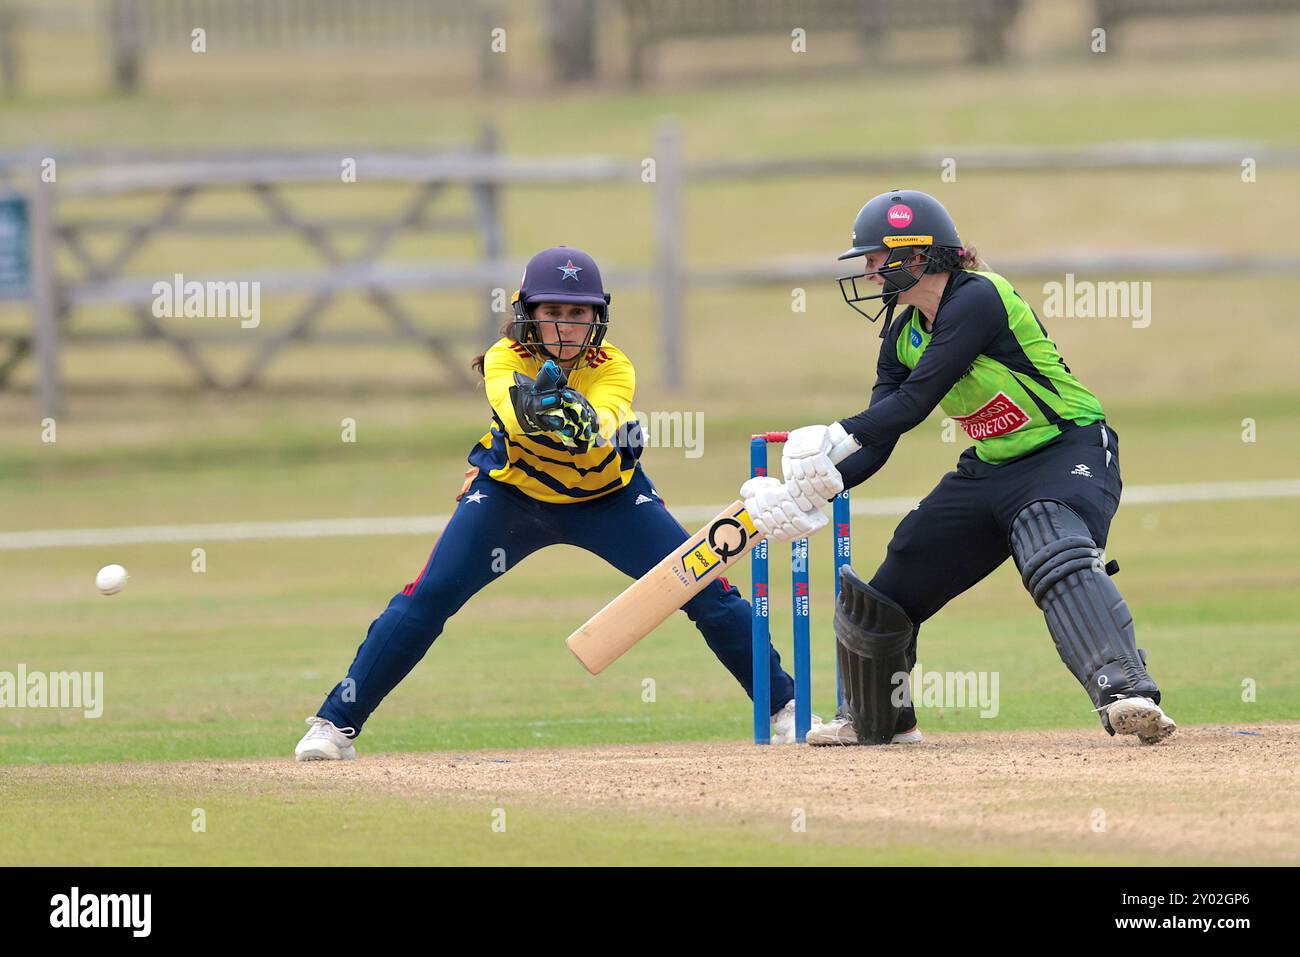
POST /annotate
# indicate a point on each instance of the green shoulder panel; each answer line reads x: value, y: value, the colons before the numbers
x: 1015, y: 397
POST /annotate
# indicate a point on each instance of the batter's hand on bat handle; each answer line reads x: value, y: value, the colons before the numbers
x: 775, y: 513
x: 808, y: 463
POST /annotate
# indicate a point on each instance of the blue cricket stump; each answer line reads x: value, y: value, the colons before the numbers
x: 801, y: 602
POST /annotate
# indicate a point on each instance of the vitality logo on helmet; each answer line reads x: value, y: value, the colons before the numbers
x: 899, y: 216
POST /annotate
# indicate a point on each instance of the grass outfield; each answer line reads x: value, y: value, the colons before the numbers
x: 208, y: 676
x: 227, y: 663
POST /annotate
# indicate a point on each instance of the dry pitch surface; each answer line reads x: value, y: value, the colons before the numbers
x: 1211, y: 794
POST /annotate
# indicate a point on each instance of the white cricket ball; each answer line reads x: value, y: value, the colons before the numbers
x: 111, y: 579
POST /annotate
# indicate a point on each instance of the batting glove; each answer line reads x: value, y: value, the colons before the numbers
x: 808, y: 463
x: 775, y: 512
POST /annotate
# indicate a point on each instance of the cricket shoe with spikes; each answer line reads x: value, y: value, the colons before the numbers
x: 324, y: 742
x: 840, y: 731
x: 1140, y: 716
x: 783, y: 725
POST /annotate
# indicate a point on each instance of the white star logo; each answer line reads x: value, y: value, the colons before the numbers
x: 475, y: 497
x: 570, y: 271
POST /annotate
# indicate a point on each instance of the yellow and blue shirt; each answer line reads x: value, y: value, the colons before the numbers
x: 540, y: 465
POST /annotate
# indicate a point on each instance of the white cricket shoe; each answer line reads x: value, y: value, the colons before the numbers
x: 840, y: 731
x: 324, y: 742
x: 783, y: 725
x: 1140, y: 716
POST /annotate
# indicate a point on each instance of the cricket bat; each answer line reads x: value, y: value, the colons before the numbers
x: 651, y: 600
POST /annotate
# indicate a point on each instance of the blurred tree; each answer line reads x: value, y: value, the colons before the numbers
x: 570, y: 27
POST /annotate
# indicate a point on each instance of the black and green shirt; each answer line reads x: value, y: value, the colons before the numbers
x: 988, y: 363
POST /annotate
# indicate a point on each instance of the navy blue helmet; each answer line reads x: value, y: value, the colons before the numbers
x: 905, y: 222
x: 560, y: 274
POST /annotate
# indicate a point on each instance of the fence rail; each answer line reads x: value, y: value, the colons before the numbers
x: 103, y: 279
x: 1141, y: 154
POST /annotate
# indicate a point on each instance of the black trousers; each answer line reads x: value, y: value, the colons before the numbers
x: 959, y: 533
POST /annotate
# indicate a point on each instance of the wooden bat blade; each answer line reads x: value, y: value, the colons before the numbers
x: 650, y: 600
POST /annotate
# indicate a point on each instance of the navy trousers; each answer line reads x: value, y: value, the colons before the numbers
x: 495, y: 527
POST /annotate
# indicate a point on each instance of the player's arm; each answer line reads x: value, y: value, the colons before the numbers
x: 592, y: 418
x: 890, y: 375
x: 525, y: 406
x: 547, y: 406
x: 820, y: 461
x: 966, y: 328
x: 610, y: 395
x: 499, y: 367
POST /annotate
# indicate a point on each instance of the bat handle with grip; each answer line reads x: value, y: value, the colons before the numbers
x: 841, y: 450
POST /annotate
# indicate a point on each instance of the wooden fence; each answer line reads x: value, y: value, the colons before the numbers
x: 103, y: 280
x: 136, y: 27
x: 653, y: 23
x: 134, y: 30
x: 569, y: 30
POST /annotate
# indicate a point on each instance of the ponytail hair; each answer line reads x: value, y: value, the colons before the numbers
x: 969, y: 259
x: 953, y: 259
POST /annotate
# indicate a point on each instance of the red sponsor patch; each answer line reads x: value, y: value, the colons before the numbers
x: 998, y: 416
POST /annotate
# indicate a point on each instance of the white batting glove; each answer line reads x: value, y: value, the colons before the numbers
x: 808, y: 463
x: 775, y: 513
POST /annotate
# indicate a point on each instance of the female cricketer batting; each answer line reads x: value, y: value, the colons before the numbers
x: 1040, y: 484
x: 558, y: 465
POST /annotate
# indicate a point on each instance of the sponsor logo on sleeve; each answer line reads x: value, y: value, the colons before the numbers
x: 998, y: 416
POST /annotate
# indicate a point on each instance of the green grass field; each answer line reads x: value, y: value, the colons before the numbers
x: 222, y: 666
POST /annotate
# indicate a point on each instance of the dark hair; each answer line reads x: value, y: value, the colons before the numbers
x: 949, y: 259
x: 970, y: 259
x: 508, y: 331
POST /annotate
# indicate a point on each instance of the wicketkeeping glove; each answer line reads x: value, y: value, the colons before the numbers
x: 537, y: 404
x: 548, y: 406
x: 580, y: 428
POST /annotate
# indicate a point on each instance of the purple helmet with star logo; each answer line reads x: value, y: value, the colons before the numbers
x: 560, y: 274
